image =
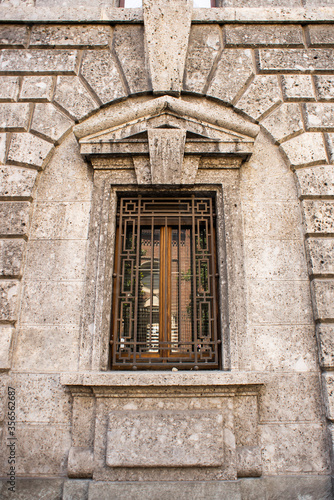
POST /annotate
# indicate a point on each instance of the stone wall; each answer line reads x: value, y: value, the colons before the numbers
x: 278, y: 74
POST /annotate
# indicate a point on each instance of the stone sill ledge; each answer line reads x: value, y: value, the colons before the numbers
x: 107, y: 14
x: 161, y: 379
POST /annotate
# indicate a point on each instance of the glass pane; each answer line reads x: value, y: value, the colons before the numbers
x: 186, y: 284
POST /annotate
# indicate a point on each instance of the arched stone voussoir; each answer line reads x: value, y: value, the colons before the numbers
x: 305, y: 149
x: 28, y: 149
x: 50, y: 123
x: 284, y: 123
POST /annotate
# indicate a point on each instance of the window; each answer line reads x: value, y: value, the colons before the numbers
x: 165, y: 284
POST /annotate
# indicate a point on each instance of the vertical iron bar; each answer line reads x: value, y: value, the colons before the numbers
x: 194, y: 276
x: 135, y: 332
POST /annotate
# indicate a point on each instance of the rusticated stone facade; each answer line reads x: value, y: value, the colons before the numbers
x: 237, y: 100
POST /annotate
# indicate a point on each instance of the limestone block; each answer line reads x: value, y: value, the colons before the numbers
x: 49, y: 122
x: 321, y: 255
x: 319, y: 216
x: 330, y: 145
x: 72, y: 96
x: 14, y: 116
x: 166, y: 155
x: 37, y: 88
x: 324, y: 85
x: 75, y: 489
x: 49, y: 349
x: 33, y: 488
x: 234, y: 70
x: 249, y: 461
x: 48, y: 260
x: 3, y: 146
x: 29, y: 149
x: 61, y: 220
x: 11, y: 254
x: 319, y: 116
x: 204, y: 47
x: 271, y: 220
x: 9, y: 291
x: 51, y: 303
x: 80, y: 462
x: 167, y: 29
x: 255, y: 35
x: 323, y: 293
x: 320, y: 35
x: 305, y: 149
x: 262, y: 94
x: 317, y: 180
x: 38, y: 61
x: 293, y: 60
x: 325, y: 334
x: 9, y: 88
x: 328, y: 391
x: 297, y: 87
x: 260, y: 3
x: 100, y: 71
x: 83, y: 420
x: 14, y: 217
x: 6, y: 333
x: 16, y: 181
x: 128, y: 43
x: 284, y: 122
x: 165, y: 438
x: 282, y: 348
x: 13, y: 35
x: 70, y: 36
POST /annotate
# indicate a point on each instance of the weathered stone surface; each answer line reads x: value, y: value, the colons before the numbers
x: 330, y: 145
x: 70, y: 36
x: 28, y: 149
x: 204, y: 46
x: 248, y: 35
x: 165, y: 438
x: 128, y: 43
x: 49, y: 122
x: 315, y: 181
x: 271, y: 220
x: 38, y: 61
x: 324, y: 85
x: 325, y: 335
x: 167, y: 28
x: 11, y: 254
x: 297, y: 87
x: 72, y: 96
x: 319, y: 116
x: 6, y: 333
x: 166, y: 155
x: 284, y: 122
x: 9, y: 88
x: 32, y: 488
x: 13, y: 35
x: 80, y: 462
x: 320, y: 35
x: 9, y: 291
x: 37, y: 88
x: 323, y: 293
x: 14, y: 217
x: 305, y: 149
x: 14, y: 116
x: 16, y: 181
x: 318, y: 216
x: 259, y: 3
x: 328, y: 383
x: 295, y: 60
x: 100, y: 72
x: 3, y: 146
x: 61, y: 220
x: 321, y: 255
x: 75, y: 489
x: 235, y: 68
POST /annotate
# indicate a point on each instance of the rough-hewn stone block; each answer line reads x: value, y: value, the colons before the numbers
x: 28, y: 149
x: 14, y: 217
x: 70, y: 36
x: 319, y: 216
x: 330, y: 145
x: 6, y: 333
x: 284, y: 122
x: 297, y: 87
x: 296, y: 60
x: 38, y: 61
x: 9, y: 88
x: 315, y: 181
x: 72, y: 96
x: 328, y: 386
x: 9, y: 291
x: 305, y: 149
x: 14, y: 116
x: 37, y: 88
x: 49, y: 122
x: 323, y: 295
x: 204, y: 46
x: 262, y: 94
x: 325, y: 335
x: 11, y: 34
x: 234, y: 70
x: 61, y: 220
x: 325, y: 87
x: 100, y: 72
x: 75, y: 489
x: 11, y: 254
x: 321, y: 255
x: 320, y: 35
x: 319, y: 116
x: 3, y: 146
x: 257, y: 35
x: 16, y: 181
x: 128, y: 43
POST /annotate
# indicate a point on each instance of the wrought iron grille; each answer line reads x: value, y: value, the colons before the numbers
x: 165, y: 284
